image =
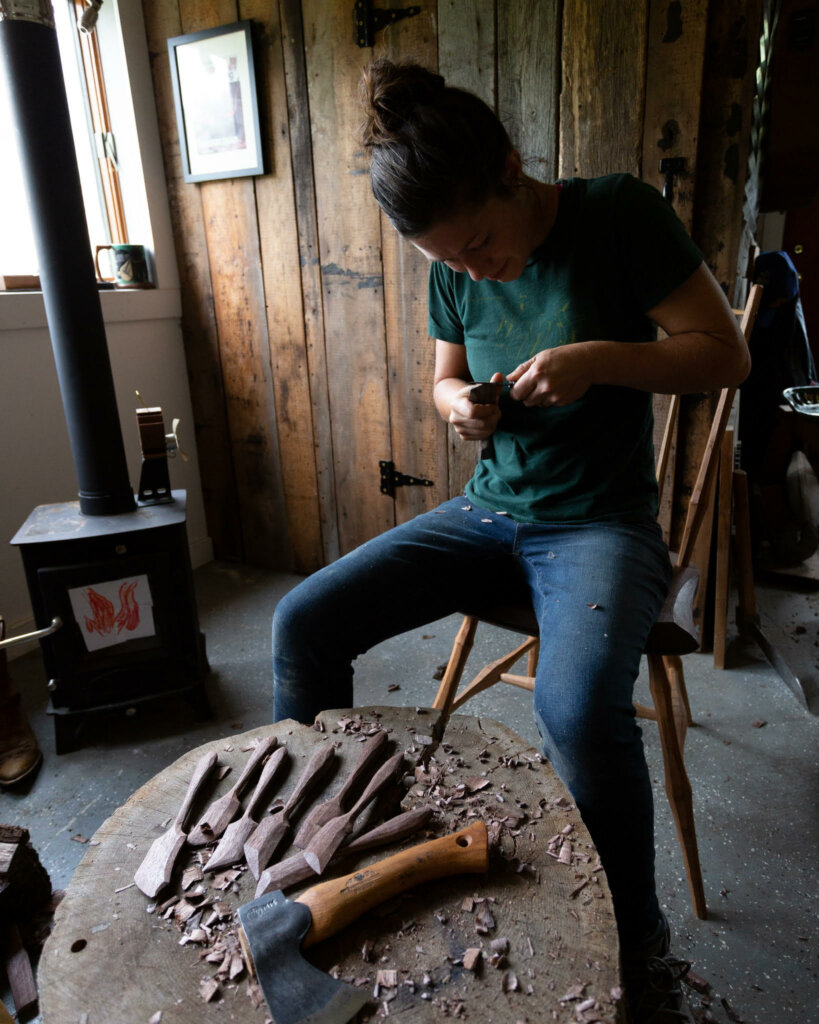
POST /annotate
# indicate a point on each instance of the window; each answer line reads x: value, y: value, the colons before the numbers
x: 95, y: 145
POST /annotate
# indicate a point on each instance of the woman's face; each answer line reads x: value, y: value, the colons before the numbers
x: 494, y: 241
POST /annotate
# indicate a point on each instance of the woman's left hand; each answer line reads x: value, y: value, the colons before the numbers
x: 556, y: 376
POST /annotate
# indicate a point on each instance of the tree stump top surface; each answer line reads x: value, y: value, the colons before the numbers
x: 542, y: 918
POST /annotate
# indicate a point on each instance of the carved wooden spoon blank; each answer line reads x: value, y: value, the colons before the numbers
x: 330, y: 836
x: 269, y: 834
x: 229, y: 850
x: 331, y: 808
x: 296, y: 869
x: 223, y: 810
x: 156, y: 869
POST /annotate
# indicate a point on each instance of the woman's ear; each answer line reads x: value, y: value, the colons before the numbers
x: 513, y: 171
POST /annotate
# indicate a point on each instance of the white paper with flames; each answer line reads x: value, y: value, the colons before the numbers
x: 113, y: 612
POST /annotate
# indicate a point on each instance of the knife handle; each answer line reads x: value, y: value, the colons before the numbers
x: 200, y: 773
x: 259, y: 753
x: 311, y: 775
x: 269, y: 771
x: 337, y: 902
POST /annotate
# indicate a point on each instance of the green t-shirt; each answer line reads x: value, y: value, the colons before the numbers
x: 615, y: 250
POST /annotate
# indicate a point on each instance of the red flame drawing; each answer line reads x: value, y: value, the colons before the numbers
x: 105, y: 620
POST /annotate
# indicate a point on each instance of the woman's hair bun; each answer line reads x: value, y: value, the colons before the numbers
x: 391, y: 92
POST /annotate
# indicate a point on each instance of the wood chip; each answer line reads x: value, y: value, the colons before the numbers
x: 208, y: 989
x: 387, y: 979
x: 476, y: 783
x: 393, y: 687
x: 156, y: 1018
x: 468, y: 904
x: 484, y: 921
x: 83, y: 839
x: 472, y: 958
x: 759, y: 723
x: 509, y: 982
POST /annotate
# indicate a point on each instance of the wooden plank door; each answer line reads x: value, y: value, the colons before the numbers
x: 418, y: 433
x: 352, y: 284
x: 466, y: 59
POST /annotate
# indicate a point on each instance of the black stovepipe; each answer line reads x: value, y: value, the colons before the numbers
x: 30, y: 57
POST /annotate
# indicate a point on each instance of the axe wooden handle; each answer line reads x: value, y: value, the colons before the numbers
x: 337, y: 902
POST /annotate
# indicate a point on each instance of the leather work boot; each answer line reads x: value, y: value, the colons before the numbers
x: 653, y: 983
x: 19, y: 753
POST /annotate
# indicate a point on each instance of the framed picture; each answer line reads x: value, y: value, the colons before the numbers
x: 217, y: 112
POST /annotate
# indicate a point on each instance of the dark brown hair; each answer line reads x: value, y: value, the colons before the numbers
x: 434, y: 150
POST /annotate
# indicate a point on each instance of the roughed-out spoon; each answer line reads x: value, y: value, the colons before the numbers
x: 323, y: 812
x: 229, y: 849
x: 296, y: 869
x: 225, y: 808
x: 156, y: 869
x: 330, y: 836
x: 269, y: 834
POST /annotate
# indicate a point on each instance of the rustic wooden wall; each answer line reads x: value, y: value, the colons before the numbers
x: 304, y: 313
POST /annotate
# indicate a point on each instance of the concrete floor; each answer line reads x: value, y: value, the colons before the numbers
x: 755, y: 785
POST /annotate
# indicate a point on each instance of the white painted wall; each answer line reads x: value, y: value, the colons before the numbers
x: 144, y: 342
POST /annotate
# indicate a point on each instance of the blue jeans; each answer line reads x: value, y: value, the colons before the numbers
x: 597, y: 589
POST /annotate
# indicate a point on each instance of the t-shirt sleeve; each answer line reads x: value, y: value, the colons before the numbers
x: 444, y: 320
x: 658, y: 253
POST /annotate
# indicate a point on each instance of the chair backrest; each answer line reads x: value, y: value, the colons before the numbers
x: 675, y: 631
x: 697, y: 506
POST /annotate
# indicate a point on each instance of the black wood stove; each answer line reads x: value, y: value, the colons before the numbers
x: 116, y: 576
x: 122, y: 589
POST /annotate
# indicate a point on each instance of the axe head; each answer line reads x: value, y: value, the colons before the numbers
x: 296, y: 992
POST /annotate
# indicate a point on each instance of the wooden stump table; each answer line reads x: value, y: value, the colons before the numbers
x: 542, y: 918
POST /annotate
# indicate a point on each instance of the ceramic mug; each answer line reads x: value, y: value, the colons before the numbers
x: 128, y: 262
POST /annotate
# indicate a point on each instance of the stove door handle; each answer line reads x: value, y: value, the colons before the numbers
x: 56, y: 622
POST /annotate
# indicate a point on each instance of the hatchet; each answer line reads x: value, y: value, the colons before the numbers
x: 274, y: 930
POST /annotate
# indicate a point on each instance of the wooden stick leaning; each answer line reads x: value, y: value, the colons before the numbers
x: 230, y: 846
x: 157, y: 867
x: 223, y: 810
x: 269, y: 834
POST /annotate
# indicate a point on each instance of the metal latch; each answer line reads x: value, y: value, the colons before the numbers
x: 671, y: 167
x: 367, y: 20
x: 392, y: 478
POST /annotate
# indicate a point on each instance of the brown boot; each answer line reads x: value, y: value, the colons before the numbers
x: 19, y: 753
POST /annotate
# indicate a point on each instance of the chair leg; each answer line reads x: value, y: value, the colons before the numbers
x: 455, y: 666
x: 679, y: 695
x: 531, y: 660
x: 677, y: 784
x: 491, y: 673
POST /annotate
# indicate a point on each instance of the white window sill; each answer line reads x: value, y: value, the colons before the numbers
x: 26, y: 310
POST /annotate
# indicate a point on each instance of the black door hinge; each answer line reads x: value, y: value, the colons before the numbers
x: 392, y: 478
x: 367, y: 20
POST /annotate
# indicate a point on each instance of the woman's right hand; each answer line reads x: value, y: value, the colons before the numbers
x: 474, y: 421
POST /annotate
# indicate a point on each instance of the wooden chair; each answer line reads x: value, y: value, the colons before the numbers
x: 673, y: 635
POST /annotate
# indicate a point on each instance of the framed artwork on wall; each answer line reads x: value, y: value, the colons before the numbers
x: 217, y: 111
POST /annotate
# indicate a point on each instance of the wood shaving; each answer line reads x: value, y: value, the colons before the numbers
x: 156, y: 1018
x: 208, y: 989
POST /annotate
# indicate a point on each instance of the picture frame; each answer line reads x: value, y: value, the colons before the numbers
x: 217, y: 110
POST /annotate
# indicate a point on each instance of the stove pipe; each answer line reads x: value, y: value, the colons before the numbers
x: 31, y: 59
